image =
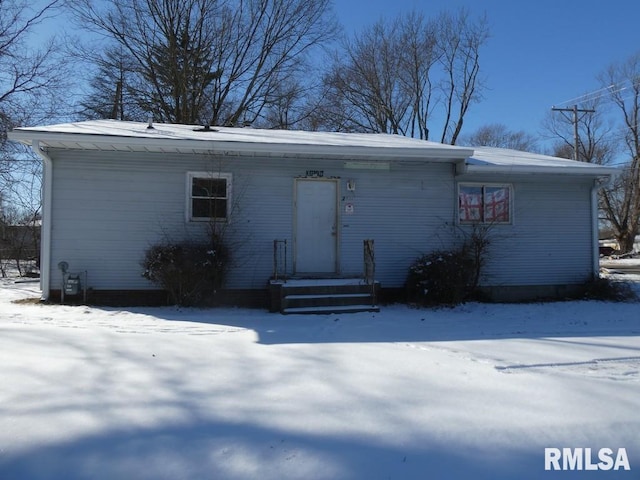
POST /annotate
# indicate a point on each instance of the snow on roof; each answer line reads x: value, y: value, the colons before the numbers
x: 232, y: 134
x: 137, y: 136
x: 233, y: 138
x: 487, y: 159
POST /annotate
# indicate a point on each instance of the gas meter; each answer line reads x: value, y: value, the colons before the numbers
x: 72, y: 284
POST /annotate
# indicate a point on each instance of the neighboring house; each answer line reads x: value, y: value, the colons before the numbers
x: 112, y: 189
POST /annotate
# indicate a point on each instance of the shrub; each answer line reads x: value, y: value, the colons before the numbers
x: 191, y: 273
x: 441, y: 277
x: 448, y: 277
x: 609, y: 290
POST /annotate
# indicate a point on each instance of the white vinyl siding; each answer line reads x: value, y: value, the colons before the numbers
x: 550, y: 241
x: 405, y: 211
x: 109, y: 207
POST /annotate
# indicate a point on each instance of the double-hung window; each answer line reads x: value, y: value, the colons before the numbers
x: 484, y: 203
x: 208, y: 196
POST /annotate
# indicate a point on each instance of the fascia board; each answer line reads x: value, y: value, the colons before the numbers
x: 117, y: 142
x: 546, y: 170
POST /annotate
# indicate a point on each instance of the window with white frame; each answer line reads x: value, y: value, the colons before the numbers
x: 484, y: 203
x: 208, y: 196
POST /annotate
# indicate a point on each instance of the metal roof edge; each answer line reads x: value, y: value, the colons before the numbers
x: 594, y: 170
x: 427, y: 152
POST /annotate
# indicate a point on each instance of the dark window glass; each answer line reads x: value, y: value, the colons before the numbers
x: 209, y: 187
x: 209, y: 197
x: 209, y: 208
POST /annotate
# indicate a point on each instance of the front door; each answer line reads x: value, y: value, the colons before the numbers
x: 316, y: 223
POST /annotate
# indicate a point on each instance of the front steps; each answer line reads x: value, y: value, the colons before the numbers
x: 323, y: 296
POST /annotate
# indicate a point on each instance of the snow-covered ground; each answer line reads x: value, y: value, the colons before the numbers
x: 476, y: 391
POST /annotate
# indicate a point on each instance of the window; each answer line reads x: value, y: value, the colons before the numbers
x: 208, y: 196
x: 484, y: 203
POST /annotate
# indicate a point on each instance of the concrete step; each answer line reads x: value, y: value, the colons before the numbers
x: 320, y: 300
x: 342, y: 295
x: 331, y: 309
x: 324, y: 289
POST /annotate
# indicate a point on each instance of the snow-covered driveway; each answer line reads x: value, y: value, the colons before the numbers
x: 477, y: 391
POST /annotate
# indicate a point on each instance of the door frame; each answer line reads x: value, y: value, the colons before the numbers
x: 336, y: 235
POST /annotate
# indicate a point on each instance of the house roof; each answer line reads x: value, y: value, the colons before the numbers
x: 136, y: 136
x: 491, y: 159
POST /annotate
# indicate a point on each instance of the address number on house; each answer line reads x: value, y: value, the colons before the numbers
x: 315, y: 173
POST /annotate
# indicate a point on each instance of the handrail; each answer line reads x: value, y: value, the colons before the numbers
x: 370, y: 267
x: 280, y: 259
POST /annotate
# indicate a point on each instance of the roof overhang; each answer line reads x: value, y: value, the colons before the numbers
x: 113, y: 135
x: 398, y: 148
x: 593, y: 171
x: 501, y: 161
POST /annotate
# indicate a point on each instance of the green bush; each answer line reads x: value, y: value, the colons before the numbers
x: 191, y: 273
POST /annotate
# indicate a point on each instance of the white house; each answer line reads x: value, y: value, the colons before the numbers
x: 112, y: 189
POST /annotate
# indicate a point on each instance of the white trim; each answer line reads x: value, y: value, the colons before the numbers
x: 47, y: 208
x: 367, y: 165
x: 188, y: 195
x: 592, y: 170
x: 114, y: 135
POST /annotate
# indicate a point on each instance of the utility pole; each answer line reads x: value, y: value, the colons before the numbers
x: 118, y: 109
x: 575, y: 120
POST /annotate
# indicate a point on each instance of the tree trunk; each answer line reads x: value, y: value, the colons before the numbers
x: 626, y: 241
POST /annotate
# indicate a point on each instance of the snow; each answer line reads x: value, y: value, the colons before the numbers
x: 487, y: 157
x: 372, y: 147
x: 476, y: 391
x: 503, y: 156
x: 630, y: 262
x: 125, y: 129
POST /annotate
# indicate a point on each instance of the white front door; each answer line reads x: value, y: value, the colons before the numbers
x: 316, y: 223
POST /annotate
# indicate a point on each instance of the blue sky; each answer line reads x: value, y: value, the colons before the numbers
x: 541, y: 53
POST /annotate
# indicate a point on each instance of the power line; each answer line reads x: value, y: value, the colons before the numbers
x: 603, y: 92
x: 575, y: 121
x: 587, y: 96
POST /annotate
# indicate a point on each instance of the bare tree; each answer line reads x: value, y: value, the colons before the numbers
x: 499, y: 135
x: 27, y: 74
x: 419, y: 46
x: 621, y: 207
x: 32, y: 79
x: 605, y: 141
x: 622, y: 202
x: 291, y: 106
x: 213, y: 62
x: 392, y: 76
x: 367, y: 84
x: 167, y: 45
x: 460, y: 41
x: 20, y: 218
x: 113, y: 90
